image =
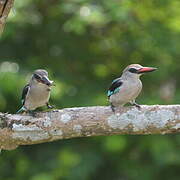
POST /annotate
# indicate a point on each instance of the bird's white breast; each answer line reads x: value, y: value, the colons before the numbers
x: 129, y: 90
x: 37, y: 96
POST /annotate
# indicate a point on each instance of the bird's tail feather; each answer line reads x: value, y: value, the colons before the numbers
x: 21, y: 110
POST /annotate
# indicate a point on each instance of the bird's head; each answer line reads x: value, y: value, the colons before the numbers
x: 136, y: 70
x: 41, y: 76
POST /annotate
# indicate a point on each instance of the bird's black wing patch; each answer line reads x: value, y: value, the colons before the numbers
x: 24, y: 93
x: 115, y: 87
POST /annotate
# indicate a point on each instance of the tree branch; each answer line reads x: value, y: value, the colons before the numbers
x: 68, y: 123
x: 5, y: 7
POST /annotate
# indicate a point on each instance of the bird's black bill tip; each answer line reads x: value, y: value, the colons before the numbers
x: 46, y: 81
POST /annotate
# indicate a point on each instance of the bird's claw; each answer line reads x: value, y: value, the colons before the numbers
x: 112, y: 108
x: 56, y: 110
x: 32, y: 113
x: 137, y: 105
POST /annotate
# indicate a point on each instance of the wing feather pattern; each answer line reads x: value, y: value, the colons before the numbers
x: 115, y: 87
x: 24, y: 93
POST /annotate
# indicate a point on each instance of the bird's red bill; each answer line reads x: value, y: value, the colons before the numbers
x: 146, y: 69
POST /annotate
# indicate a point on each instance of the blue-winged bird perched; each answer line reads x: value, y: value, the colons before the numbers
x: 127, y: 88
x: 37, y: 92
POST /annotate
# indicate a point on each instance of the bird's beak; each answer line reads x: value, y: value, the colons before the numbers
x: 146, y: 69
x: 46, y: 81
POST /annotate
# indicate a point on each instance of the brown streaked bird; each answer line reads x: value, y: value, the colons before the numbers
x: 126, y: 88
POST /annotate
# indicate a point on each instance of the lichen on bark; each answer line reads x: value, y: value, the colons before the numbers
x: 16, y: 129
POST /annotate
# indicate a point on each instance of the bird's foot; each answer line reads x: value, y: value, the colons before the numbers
x: 112, y: 107
x: 32, y: 113
x: 55, y: 110
x: 136, y: 105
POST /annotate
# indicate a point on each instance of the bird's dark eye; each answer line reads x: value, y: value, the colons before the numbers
x: 133, y: 70
x: 37, y: 76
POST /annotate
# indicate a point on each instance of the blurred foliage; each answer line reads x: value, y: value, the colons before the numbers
x: 84, y: 45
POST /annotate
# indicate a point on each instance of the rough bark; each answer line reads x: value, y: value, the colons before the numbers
x: 67, y: 123
x: 5, y: 7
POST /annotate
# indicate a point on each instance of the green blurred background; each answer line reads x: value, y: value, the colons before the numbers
x: 84, y: 45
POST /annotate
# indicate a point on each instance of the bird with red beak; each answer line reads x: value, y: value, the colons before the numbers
x: 37, y: 92
x: 126, y: 88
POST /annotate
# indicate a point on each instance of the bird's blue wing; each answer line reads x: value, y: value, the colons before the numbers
x: 24, y: 93
x: 115, y: 87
